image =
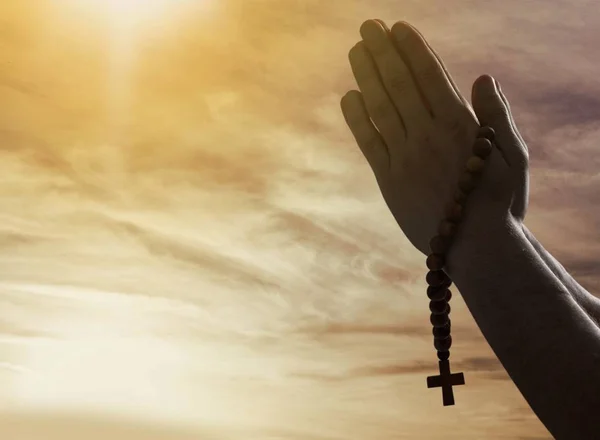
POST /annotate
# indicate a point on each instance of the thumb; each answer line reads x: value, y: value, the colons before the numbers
x: 492, y: 108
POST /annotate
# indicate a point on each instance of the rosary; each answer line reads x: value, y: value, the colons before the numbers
x: 437, y: 280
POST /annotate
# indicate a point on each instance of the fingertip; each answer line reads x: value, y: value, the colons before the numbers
x: 343, y: 99
x: 351, y: 50
x: 354, y: 51
x: 484, y: 86
x: 368, y: 27
x: 485, y: 80
x: 401, y: 28
x: 352, y: 106
x: 348, y: 96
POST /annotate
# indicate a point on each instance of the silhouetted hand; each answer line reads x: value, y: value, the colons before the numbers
x: 416, y: 130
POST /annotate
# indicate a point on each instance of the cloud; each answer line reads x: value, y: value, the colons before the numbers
x: 213, y: 242
x: 59, y: 425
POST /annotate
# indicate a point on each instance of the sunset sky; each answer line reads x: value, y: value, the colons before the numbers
x: 192, y: 246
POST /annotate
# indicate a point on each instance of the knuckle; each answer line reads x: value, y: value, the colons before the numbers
x: 380, y: 110
x: 456, y: 128
x: 427, y: 73
x: 399, y: 83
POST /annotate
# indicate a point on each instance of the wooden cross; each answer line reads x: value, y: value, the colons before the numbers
x: 446, y: 381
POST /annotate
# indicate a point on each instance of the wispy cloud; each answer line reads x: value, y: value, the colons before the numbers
x: 214, y: 250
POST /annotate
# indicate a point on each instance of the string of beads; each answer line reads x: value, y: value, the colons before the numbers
x: 438, y: 281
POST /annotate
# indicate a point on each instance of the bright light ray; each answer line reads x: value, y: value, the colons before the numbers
x: 129, y: 21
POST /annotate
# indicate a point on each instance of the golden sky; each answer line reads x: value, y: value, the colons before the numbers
x: 192, y: 246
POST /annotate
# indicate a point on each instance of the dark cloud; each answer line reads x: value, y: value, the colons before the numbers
x: 17, y: 239
x: 489, y: 368
x: 581, y: 267
x: 368, y: 372
x: 354, y: 329
x: 559, y: 105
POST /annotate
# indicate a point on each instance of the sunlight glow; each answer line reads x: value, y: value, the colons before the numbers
x: 131, y: 17
x: 128, y: 25
x: 131, y: 10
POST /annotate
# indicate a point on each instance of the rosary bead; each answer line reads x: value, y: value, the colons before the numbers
x: 437, y: 293
x: 441, y: 332
x: 439, y: 320
x: 467, y: 182
x: 439, y: 244
x: 475, y: 164
x: 486, y: 132
x: 447, y: 228
x: 439, y: 282
x: 443, y: 355
x: 447, y: 283
x: 436, y: 278
x: 443, y: 344
x: 454, y: 212
x: 460, y: 197
x: 435, y: 261
x: 438, y: 307
x: 482, y: 148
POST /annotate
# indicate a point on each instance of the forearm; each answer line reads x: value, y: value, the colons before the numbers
x: 587, y: 301
x: 548, y: 345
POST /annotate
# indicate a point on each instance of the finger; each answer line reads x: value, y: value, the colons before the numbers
x: 421, y: 94
x: 367, y: 137
x: 512, y: 120
x: 443, y: 66
x: 377, y: 101
x: 493, y: 110
x: 521, y: 201
x: 428, y: 70
x: 493, y: 178
x: 396, y: 77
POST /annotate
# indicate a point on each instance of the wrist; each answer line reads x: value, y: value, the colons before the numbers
x: 477, y: 244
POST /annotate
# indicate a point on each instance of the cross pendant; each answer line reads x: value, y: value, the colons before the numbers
x: 446, y: 381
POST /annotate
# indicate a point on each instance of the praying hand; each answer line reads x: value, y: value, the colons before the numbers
x: 417, y: 131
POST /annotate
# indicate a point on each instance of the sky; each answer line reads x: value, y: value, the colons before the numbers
x: 193, y: 247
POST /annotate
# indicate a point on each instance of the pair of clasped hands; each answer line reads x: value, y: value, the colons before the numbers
x: 416, y: 131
